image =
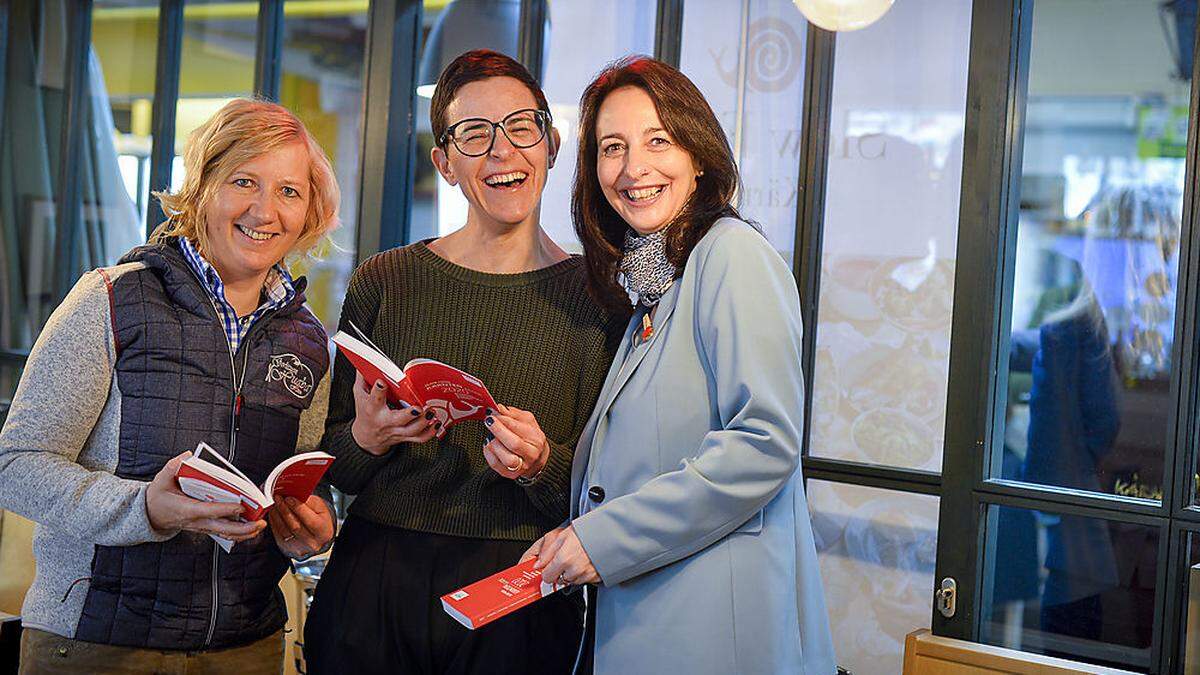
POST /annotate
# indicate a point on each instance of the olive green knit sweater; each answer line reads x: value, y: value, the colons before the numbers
x: 536, y: 339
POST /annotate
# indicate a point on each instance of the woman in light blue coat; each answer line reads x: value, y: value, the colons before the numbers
x: 688, y: 507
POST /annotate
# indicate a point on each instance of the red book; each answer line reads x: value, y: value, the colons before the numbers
x: 208, y: 476
x: 498, y: 595
x: 453, y: 395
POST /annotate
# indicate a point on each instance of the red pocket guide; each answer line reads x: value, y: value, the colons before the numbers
x: 498, y: 595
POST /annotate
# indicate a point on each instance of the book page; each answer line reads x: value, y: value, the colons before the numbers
x: 358, y: 352
x: 206, y: 464
x: 297, y: 476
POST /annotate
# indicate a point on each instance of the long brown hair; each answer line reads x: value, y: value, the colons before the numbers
x: 690, y: 121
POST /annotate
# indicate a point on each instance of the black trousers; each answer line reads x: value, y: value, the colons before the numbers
x: 377, y: 609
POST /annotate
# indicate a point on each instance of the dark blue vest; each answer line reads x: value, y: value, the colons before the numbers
x: 180, y: 385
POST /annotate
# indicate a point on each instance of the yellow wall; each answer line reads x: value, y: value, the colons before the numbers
x: 16, y: 561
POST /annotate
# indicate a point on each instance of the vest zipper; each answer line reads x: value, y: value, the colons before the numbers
x: 237, y: 381
x: 233, y: 425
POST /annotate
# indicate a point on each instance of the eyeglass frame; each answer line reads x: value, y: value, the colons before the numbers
x: 544, y: 115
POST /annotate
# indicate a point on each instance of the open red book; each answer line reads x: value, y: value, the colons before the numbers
x: 208, y: 476
x: 452, y: 395
x: 502, y: 593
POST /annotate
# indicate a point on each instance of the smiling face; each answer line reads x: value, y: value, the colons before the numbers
x: 646, y: 176
x: 257, y: 213
x: 504, y: 186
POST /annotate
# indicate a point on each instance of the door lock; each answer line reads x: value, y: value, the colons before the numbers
x: 945, y: 596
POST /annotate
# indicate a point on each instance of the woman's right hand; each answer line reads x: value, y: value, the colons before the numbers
x: 376, y: 427
x: 169, y: 509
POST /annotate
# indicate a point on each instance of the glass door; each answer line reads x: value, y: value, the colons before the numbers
x: 1065, y: 513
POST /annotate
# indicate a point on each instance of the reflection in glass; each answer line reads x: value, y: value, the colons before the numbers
x: 890, y: 234
x: 322, y: 82
x: 748, y: 60
x: 876, y: 549
x: 1071, y: 586
x: 1093, y: 296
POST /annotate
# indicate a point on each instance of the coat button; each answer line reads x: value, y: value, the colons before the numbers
x: 596, y: 493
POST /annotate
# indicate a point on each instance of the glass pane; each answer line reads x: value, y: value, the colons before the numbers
x: 1093, y: 298
x: 40, y: 261
x: 610, y: 30
x: 217, y: 64
x: 891, y: 223
x: 1189, y: 630
x: 1071, y: 586
x: 877, y: 552
x: 449, y: 30
x: 30, y: 140
x: 10, y: 375
x: 125, y: 45
x: 323, y: 48
x: 748, y: 59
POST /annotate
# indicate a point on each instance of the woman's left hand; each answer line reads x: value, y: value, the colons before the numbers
x: 562, y: 559
x: 301, y: 528
x: 519, y: 447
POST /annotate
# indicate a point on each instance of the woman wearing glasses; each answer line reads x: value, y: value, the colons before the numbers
x: 499, y: 299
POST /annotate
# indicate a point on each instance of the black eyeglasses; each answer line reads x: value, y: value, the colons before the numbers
x: 475, y: 136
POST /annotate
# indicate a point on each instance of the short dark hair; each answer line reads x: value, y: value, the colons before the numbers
x: 472, y: 66
x: 692, y: 124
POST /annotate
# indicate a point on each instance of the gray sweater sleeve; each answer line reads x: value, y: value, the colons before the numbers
x: 56, y: 462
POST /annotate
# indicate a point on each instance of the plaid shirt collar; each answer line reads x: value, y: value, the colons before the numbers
x: 278, y: 288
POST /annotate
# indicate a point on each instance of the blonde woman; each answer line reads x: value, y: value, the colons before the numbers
x: 201, y: 335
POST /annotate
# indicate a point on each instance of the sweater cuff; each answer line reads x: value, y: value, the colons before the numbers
x: 549, y: 492
x: 151, y: 533
x: 353, y: 467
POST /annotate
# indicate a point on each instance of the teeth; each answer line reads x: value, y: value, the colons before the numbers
x: 505, y: 177
x: 643, y: 193
x: 253, y: 234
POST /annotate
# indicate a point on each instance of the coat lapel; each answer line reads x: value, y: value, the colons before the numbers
x: 624, y: 368
x: 666, y: 306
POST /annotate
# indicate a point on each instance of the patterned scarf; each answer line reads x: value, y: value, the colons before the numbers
x: 646, y: 272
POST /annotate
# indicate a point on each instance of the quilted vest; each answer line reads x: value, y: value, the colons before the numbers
x: 180, y: 385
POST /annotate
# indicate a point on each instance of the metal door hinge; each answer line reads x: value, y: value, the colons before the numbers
x: 944, y: 597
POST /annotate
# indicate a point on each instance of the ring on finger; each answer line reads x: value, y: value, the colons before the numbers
x: 289, y: 538
x: 518, y: 466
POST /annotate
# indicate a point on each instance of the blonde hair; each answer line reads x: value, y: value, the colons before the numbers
x: 240, y: 131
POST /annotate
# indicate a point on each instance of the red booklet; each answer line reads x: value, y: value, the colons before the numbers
x: 452, y: 395
x: 208, y: 476
x: 502, y: 593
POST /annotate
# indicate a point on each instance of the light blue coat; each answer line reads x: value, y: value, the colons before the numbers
x: 703, y: 540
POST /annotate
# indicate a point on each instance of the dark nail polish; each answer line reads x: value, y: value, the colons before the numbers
x: 429, y: 415
x: 416, y: 413
x: 489, y: 411
x: 488, y: 437
x: 437, y: 425
x: 490, y: 420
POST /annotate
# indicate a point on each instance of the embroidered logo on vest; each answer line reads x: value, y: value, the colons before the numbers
x: 289, y: 369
